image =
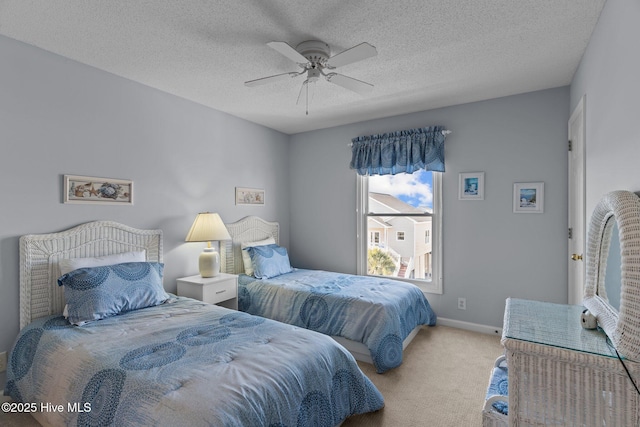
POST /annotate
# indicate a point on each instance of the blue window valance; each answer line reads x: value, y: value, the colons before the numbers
x: 398, y: 152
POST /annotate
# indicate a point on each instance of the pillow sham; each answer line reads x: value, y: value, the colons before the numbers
x: 269, y: 261
x: 246, y: 258
x: 95, y: 293
x: 68, y: 265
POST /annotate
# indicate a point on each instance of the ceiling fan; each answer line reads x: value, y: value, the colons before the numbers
x: 313, y: 56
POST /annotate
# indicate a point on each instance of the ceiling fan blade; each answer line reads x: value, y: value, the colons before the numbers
x: 355, y: 85
x: 354, y: 54
x: 271, y: 79
x: 286, y: 50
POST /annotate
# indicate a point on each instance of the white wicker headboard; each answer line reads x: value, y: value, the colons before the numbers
x: 40, y: 294
x: 248, y: 229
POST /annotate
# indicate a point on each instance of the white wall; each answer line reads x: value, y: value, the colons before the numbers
x: 490, y: 253
x: 609, y: 76
x: 60, y: 117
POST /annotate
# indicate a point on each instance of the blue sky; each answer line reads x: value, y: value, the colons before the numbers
x: 415, y: 189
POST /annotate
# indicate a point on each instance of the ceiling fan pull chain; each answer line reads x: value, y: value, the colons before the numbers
x: 307, y: 99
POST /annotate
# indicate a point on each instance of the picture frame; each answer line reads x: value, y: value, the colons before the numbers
x: 95, y: 190
x: 528, y: 197
x: 249, y: 196
x: 471, y: 186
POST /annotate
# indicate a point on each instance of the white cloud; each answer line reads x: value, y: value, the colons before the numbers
x: 403, y: 185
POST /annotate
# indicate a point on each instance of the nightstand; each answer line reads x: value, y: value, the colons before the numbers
x: 221, y: 289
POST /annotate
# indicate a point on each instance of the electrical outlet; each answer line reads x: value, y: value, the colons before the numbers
x: 462, y: 303
x: 3, y: 361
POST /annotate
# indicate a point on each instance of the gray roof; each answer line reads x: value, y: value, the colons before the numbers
x: 398, y: 205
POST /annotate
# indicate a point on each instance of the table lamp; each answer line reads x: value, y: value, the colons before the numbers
x: 207, y: 227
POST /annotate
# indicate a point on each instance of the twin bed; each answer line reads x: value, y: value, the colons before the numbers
x: 373, y: 317
x: 181, y: 362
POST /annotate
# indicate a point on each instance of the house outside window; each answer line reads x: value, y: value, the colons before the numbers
x: 405, y: 211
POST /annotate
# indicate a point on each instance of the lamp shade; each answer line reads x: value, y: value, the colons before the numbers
x: 207, y: 227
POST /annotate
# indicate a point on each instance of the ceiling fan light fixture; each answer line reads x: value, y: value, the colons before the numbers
x: 313, y: 75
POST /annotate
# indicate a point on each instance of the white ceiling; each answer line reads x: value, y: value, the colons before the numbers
x: 431, y: 53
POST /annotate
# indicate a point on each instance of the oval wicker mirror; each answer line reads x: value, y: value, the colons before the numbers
x: 622, y: 326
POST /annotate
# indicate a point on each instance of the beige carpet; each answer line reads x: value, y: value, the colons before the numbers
x: 441, y: 382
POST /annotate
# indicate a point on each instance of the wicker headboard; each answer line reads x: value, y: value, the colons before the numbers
x: 40, y: 294
x: 248, y: 229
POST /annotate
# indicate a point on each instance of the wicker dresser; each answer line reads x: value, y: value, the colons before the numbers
x: 561, y: 374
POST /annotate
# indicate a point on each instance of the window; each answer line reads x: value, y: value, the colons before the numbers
x: 409, y: 208
x: 374, y: 238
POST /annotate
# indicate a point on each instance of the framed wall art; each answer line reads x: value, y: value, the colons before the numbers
x: 471, y: 186
x: 249, y: 196
x: 528, y: 197
x: 94, y: 190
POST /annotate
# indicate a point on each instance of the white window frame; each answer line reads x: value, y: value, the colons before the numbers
x: 398, y: 233
x: 435, y: 285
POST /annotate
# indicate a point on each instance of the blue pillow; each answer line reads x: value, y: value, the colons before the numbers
x: 498, y: 385
x: 93, y: 293
x: 269, y: 261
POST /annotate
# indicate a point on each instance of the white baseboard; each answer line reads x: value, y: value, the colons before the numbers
x: 485, y: 329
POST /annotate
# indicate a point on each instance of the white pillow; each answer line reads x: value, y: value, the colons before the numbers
x: 68, y: 265
x: 246, y: 258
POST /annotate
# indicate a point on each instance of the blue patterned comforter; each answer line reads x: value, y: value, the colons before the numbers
x: 185, y: 363
x: 380, y: 313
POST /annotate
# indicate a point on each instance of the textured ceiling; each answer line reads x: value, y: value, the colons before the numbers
x: 431, y: 53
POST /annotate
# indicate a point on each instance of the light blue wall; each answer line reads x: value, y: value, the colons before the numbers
x: 60, y: 117
x: 609, y: 76
x: 490, y: 253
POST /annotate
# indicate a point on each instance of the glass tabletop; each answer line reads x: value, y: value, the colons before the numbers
x: 556, y: 325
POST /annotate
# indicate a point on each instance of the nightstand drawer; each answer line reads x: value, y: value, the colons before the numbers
x: 221, y: 289
x: 219, y: 292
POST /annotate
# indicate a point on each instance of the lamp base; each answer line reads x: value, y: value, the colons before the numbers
x: 209, y: 263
